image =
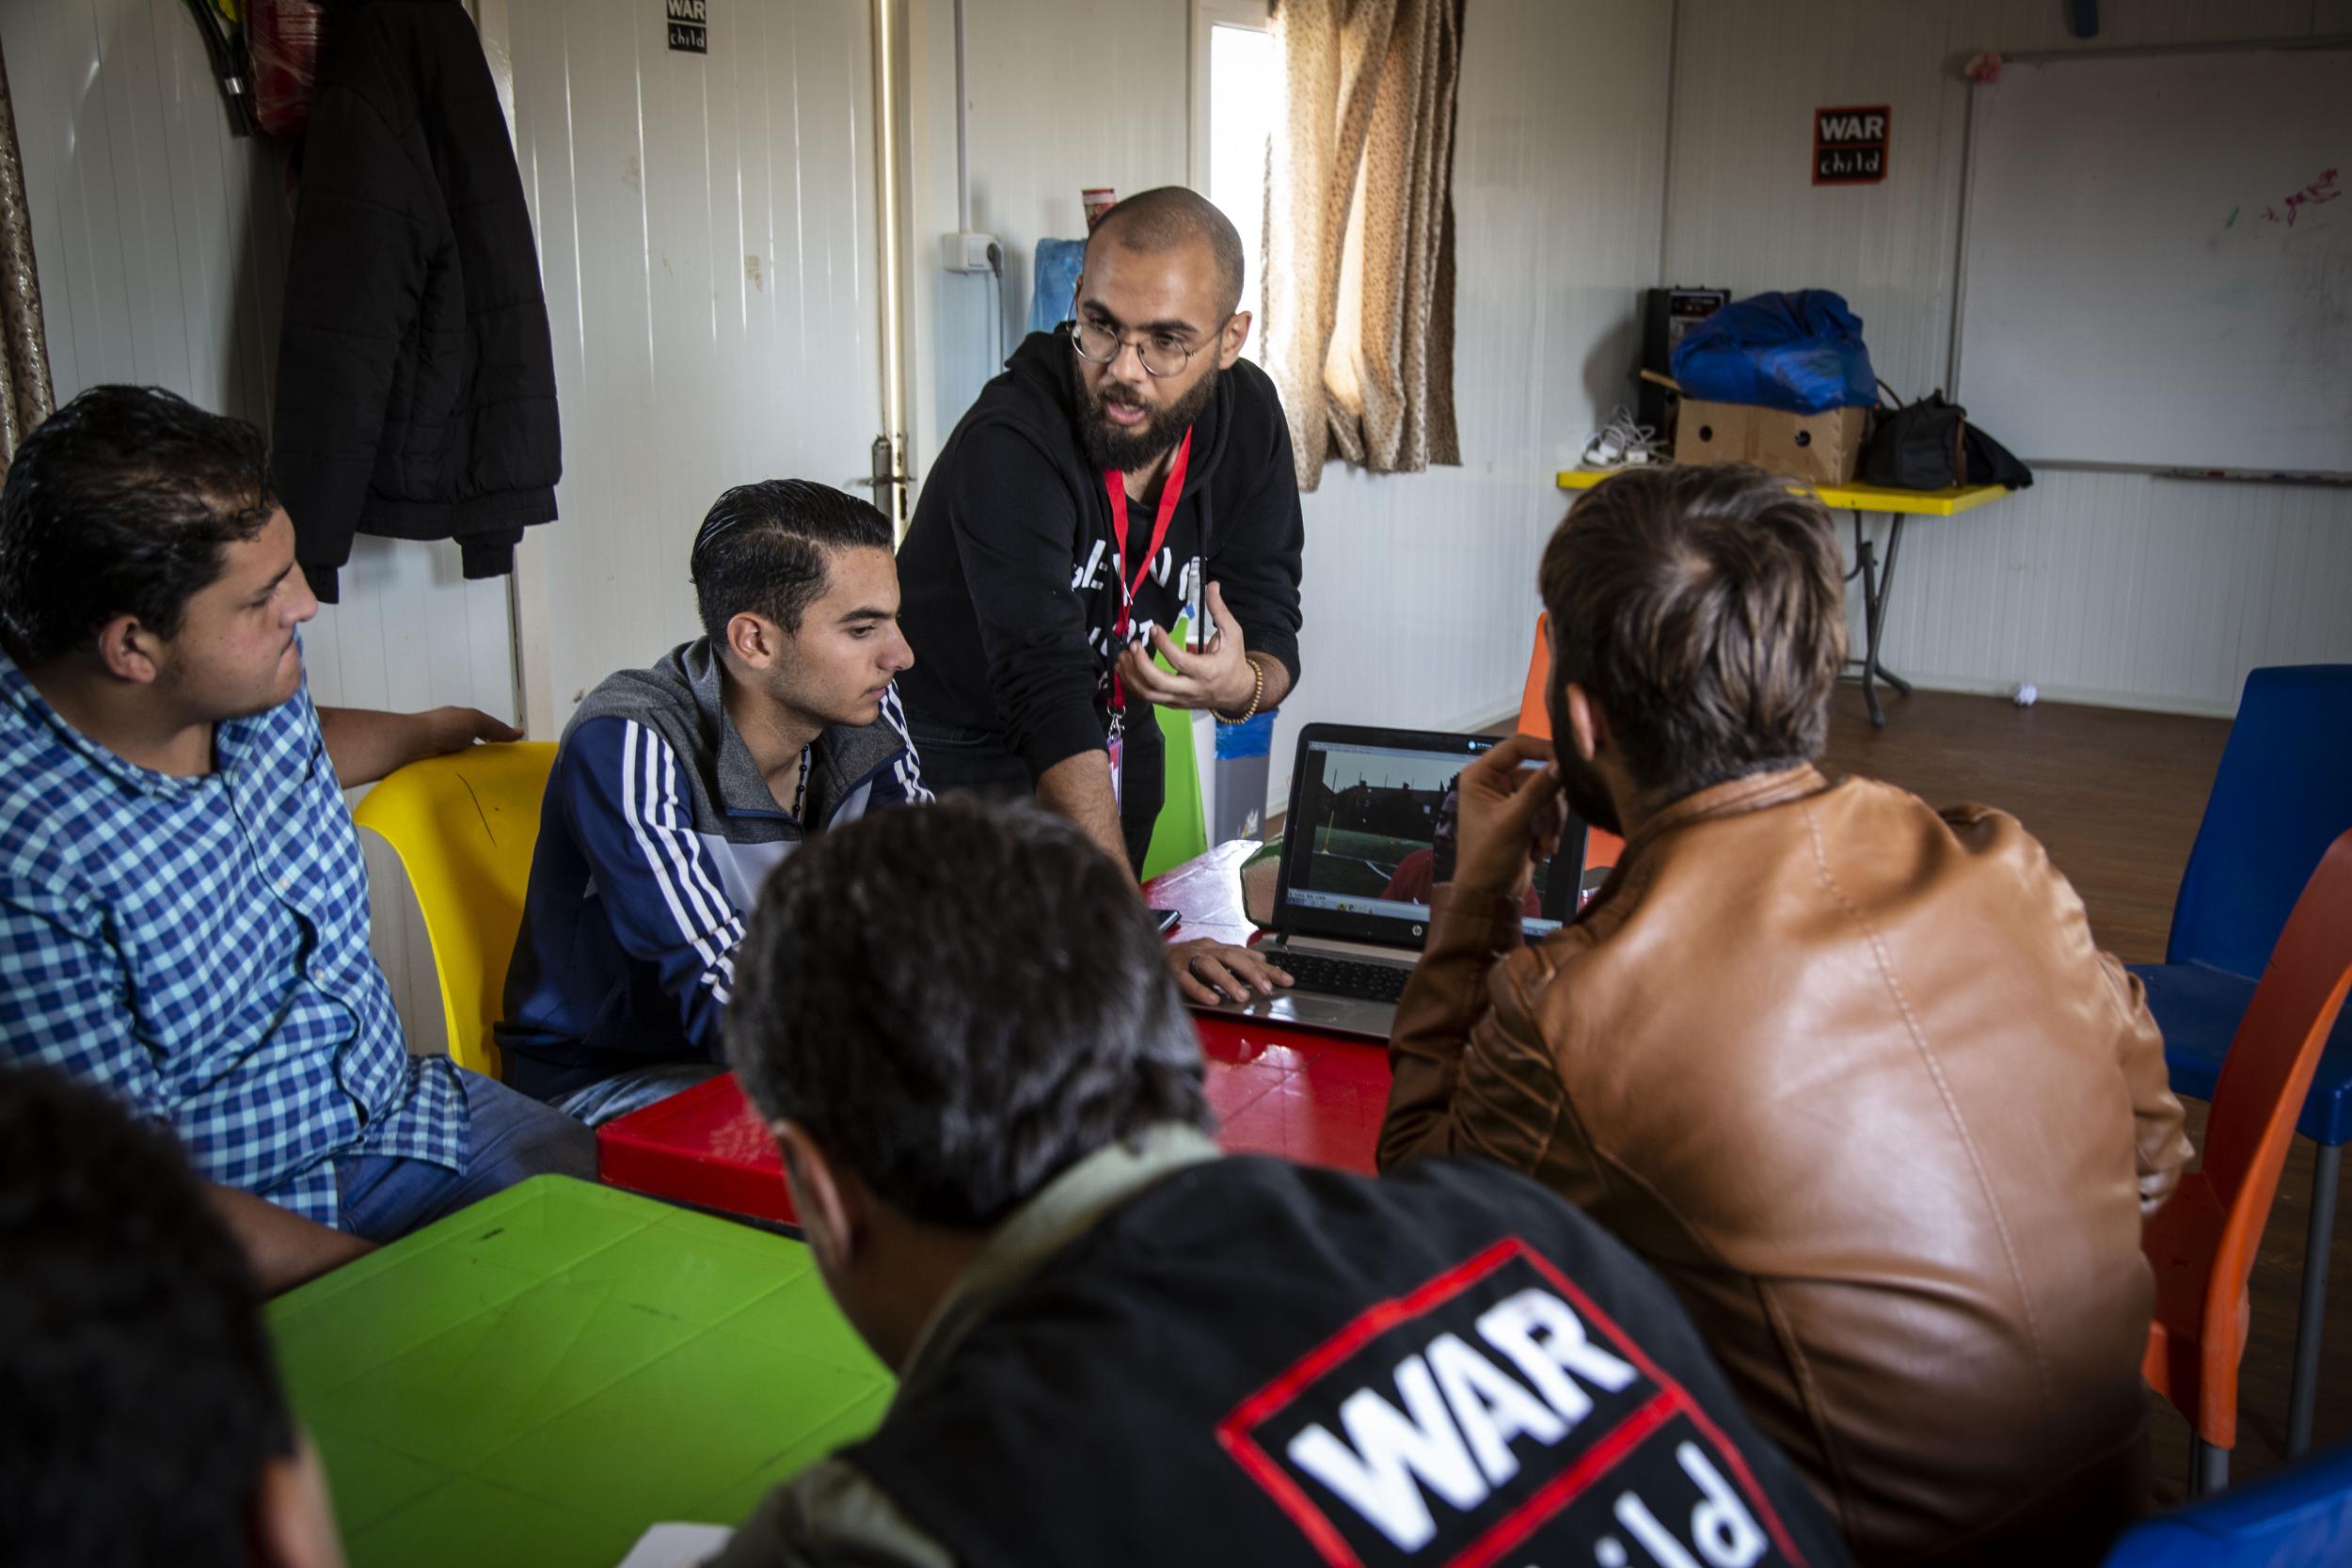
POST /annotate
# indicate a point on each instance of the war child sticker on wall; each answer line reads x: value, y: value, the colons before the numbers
x: 689, y: 25
x: 1849, y: 145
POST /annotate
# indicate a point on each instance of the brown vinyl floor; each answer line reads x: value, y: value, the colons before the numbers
x: 2116, y: 796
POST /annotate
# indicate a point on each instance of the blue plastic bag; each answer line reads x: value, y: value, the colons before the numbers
x: 1801, y: 352
x: 1251, y: 737
x: 1057, y: 264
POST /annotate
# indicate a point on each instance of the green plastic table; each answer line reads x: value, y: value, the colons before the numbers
x: 539, y: 1377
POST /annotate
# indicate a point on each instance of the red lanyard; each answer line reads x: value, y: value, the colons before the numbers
x: 1170, y: 493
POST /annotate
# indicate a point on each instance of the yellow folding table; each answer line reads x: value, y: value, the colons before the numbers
x: 1858, y: 498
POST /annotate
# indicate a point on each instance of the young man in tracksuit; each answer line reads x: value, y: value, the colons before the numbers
x: 1124, y: 472
x: 677, y: 789
x: 1115, y: 1345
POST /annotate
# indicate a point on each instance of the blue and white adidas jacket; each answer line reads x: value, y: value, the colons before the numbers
x: 656, y: 833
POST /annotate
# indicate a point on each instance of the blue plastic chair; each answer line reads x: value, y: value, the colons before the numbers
x: 2282, y: 794
x: 2302, y: 1515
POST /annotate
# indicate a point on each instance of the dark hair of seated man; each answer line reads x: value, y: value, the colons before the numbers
x: 958, y: 1076
x: 1115, y: 1344
x: 1702, y: 609
x: 766, y: 548
x: 139, y: 493
x: 142, y: 1418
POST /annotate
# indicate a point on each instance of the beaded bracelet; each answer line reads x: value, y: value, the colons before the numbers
x: 1257, y: 695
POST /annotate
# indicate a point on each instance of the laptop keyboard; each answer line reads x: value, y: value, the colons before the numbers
x: 1368, y: 982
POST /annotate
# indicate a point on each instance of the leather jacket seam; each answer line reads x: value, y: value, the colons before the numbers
x: 1808, y: 1389
x: 1944, y: 1093
x: 1522, y: 988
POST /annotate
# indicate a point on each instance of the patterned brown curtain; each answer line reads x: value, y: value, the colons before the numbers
x: 24, y: 395
x: 1359, y: 232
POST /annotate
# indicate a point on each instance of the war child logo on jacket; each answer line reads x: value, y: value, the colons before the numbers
x: 1496, y: 1411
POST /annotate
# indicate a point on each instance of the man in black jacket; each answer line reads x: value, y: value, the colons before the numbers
x: 1115, y: 1345
x: 1123, y: 472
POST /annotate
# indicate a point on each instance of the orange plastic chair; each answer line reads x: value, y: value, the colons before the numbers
x: 2201, y: 1242
x: 463, y: 826
x: 1601, y: 849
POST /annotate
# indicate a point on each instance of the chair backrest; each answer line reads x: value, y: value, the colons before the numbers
x: 2282, y: 793
x: 463, y: 826
x: 1181, y: 832
x: 1601, y: 849
x: 2299, y: 1515
x: 2268, y: 1070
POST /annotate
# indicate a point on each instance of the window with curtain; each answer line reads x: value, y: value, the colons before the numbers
x: 1359, y: 265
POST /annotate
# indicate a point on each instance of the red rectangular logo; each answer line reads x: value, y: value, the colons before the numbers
x: 1496, y: 1410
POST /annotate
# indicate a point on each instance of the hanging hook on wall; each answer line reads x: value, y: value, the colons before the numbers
x: 224, y: 41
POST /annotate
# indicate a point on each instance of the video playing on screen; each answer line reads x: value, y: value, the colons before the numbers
x: 1381, y: 826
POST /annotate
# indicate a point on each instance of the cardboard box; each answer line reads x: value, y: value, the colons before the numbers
x: 1819, y: 449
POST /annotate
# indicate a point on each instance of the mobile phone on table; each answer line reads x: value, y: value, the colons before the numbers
x: 1164, y: 921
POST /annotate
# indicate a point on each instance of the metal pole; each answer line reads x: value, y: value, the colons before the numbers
x: 2304, y: 1390
x: 886, y: 182
x: 963, y: 133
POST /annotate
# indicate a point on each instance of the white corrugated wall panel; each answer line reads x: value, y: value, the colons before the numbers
x: 2103, y: 587
x: 708, y: 240
x: 1065, y: 94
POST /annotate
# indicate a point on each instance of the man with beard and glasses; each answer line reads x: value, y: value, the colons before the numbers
x: 1126, y: 470
x: 1849, y: 1072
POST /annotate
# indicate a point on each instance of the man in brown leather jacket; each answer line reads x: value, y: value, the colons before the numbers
x: 1848, y: 1072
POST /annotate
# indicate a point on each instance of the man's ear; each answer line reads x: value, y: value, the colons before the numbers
x: 1229, y: 343
x: 832, y: 1216
x: 294, y: 1524
x: 755, y: 639
x: 1587, y: 728
x: 130, y: 651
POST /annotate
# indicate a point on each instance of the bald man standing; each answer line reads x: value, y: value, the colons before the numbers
x: 1124, y: 470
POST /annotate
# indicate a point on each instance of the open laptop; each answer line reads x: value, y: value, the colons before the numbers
x: 1369, y: 835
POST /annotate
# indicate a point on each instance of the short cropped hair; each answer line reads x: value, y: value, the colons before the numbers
x: 1702, y: 608
x: 959, y: 1003
x: 140, y: 1402
x: 122, y: 502
x: 1159, y: 220
x: 764, y: 549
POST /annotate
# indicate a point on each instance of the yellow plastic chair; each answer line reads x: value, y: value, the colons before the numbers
x: 464, y: 825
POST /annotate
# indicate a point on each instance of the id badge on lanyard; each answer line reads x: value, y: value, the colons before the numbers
x: 1115, y: 484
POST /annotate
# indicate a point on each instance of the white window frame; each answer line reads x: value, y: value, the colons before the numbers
x: 1256, y: 15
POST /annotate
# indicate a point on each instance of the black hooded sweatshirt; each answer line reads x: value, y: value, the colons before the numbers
x: 1009, y: 572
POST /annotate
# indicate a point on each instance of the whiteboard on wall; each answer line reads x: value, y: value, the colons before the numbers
x: 2157, y: 264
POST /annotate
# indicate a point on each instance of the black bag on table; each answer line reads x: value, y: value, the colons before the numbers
x: 1930, y: 445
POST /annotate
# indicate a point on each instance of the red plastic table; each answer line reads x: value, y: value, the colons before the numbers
x: 1278, y: 1088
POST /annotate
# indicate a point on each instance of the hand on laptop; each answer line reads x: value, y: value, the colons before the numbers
x: 1512, y: 816
x: 1209, y: 971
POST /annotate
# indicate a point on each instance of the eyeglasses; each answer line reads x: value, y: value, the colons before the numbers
x: 1160, y: 354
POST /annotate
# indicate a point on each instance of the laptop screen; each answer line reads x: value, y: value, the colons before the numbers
x: 1370, y: 834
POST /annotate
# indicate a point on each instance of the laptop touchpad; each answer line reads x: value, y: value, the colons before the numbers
x: 1305, y: 1007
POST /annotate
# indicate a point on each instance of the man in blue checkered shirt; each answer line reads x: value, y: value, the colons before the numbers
x: 183, y: 911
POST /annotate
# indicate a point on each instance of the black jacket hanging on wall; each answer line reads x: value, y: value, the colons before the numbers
x: 415, y: 384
